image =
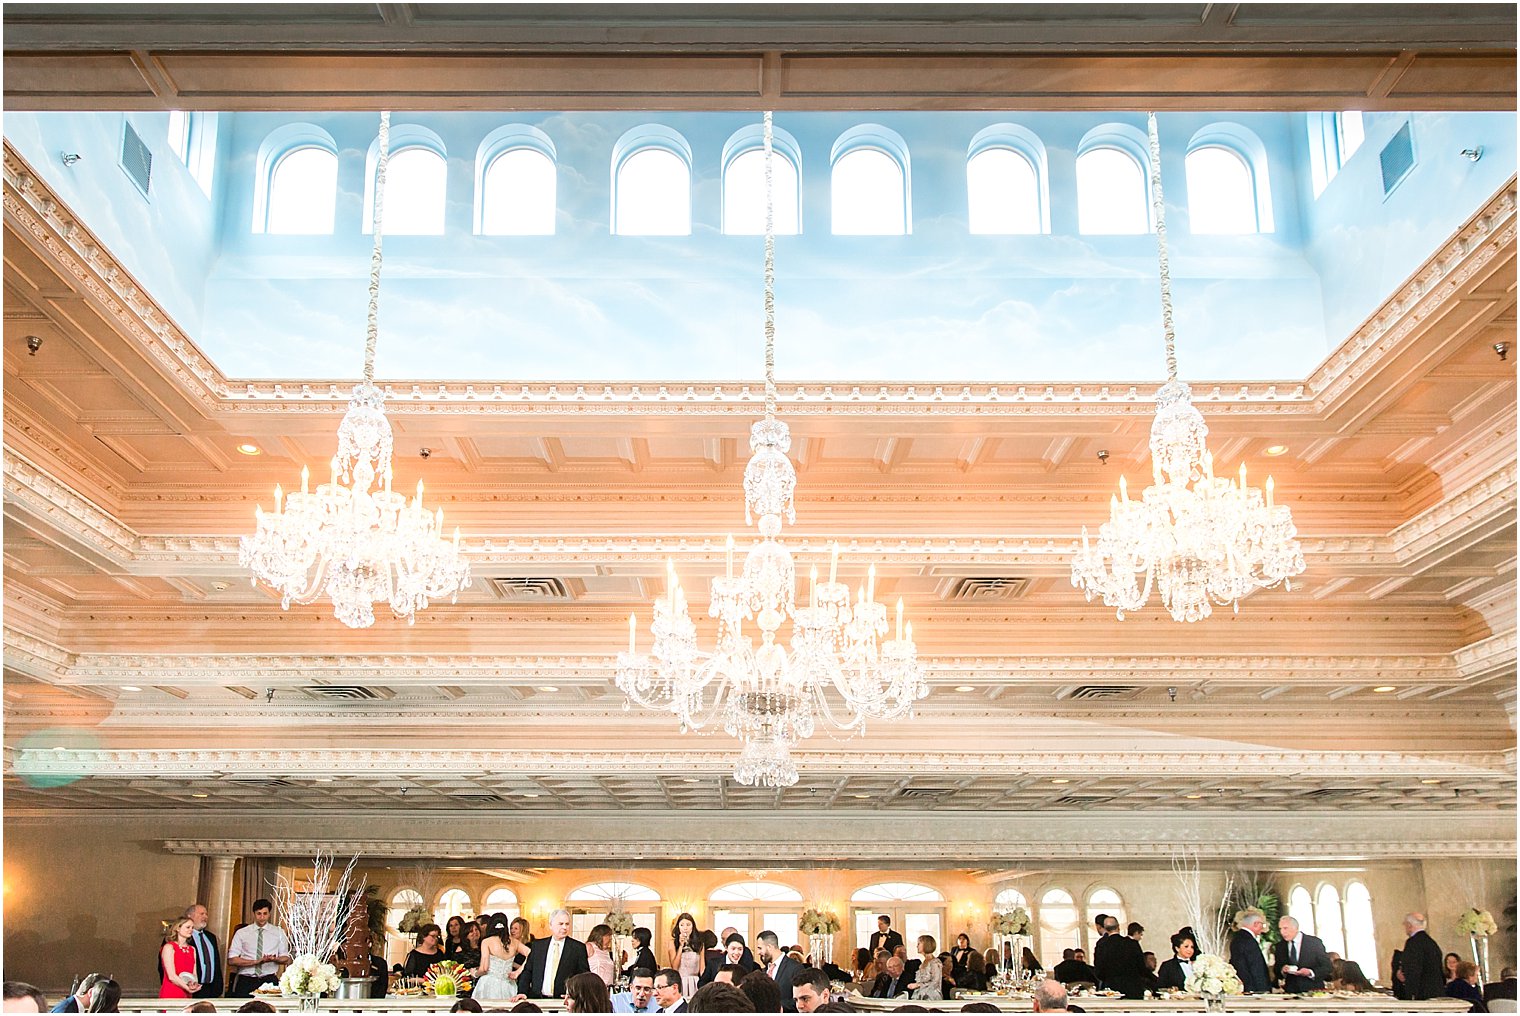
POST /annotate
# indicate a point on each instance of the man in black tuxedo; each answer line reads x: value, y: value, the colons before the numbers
x: 209, y: 971
x: 1073, y: 968
x: 885, y: 937
x: 892, y: 982
x: 1504, y: 987
x: 1396, y: 972
x: 1420, y: 966
x: 1301, y: 963
x: 554, y: 960
x: 1119, y: 961
x: 734, y: 952
x: 1245, y: 951
x: 778, y: 965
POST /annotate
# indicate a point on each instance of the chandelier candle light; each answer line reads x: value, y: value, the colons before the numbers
x: 770, y: 696
x: 353, y: 538
x: 1197, y: 538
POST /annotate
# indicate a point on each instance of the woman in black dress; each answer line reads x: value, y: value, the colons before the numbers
x: 427, y: 952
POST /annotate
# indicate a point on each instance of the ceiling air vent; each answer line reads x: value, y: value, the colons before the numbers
x: 348, y: 692
x: 1081, y: 800
x: 1397, y: 158
x: 1103, y: 691
x: 988, y: 589
x: 926, y: 793
x: 477, y: 798
x: 260, y: 781
x: 531, y: 589
x: 136, y: 159
x: 1334, y: 793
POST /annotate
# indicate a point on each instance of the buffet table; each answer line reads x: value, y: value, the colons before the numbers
x: 1348, y: 1003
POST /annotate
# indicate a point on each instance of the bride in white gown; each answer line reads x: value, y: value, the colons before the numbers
x: 494, y: 977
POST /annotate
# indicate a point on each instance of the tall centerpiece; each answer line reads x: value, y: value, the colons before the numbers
x: 1213, y: 978
x: 314, y: 923
x: 621, y: 923
x: 1477, y: 925
x: 1010, y: 937
x: 820, y: 926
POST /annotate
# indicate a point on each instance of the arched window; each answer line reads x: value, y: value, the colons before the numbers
x: 518, y: 194
x: 416, y: 181
x: 1301, y: 909
x: 1008, y: 899
x: 651, y: 183
x: 452, y: 903
x: 1327, y: 918
x: 910, y: 892
x: 756, y: 892
x: 868, y: 195
x: 1221, y: 193
x: 1349, y: 132
x: 1106, y: 901
x: 744, y: 194
x: 1333, y: 138
x: 302, y: 192
x: 612, y: 892
x: 1112, y: 195
x: 1058, y: 924
x: 396, y: 942
x: 1002, y: 192
x: 501, y: 900
x: 1361, y: 941
x: 179, y: 134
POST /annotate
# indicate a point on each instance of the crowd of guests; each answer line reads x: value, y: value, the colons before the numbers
x: 705, y: 971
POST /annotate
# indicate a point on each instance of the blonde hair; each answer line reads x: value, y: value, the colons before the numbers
x: 926, y: 943
x: 171, y: 928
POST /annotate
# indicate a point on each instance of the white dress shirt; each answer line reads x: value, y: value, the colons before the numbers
x: 245, y: 947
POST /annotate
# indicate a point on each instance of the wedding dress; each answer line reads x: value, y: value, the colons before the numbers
x: 496, y: 983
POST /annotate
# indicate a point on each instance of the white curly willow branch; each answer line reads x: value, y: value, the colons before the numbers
x: 770, y: 272
x: 314, y: 919
x: 372, y: 323
x: 1158, y: 205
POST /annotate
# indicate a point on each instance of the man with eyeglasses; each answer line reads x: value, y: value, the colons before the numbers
x: 640, y: 994
x: 667, y: 991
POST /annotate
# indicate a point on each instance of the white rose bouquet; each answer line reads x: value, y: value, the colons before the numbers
x: 620, y: 922
x: 1213, y: 975
x: 1012, y: 922
x: 819, y: 922
x: 1477, y: 922
x: 308, y: 975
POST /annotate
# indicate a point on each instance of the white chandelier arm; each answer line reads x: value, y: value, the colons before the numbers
x: 770, y: 271
x: 372, y: 318
x: 1158, y: 206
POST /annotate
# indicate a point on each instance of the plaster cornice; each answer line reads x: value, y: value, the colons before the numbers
x: 41, y: 215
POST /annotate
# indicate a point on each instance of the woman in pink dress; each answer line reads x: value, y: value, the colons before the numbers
x: 686, y: 953
x: 599, y: 953
x: 178, y: 961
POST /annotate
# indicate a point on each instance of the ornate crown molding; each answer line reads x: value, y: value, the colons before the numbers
x: 40, y: 214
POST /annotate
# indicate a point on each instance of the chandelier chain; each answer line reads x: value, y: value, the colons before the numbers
x: 770, y: 271
x: 372, y: 320
x: 1158, y: 205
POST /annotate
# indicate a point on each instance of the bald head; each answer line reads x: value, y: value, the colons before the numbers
x: 1414, y: 922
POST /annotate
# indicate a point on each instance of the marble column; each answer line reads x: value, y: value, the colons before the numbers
x: 219, y: 899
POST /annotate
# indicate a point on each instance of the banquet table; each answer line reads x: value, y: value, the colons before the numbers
x: 1349, y: 1003
x: 390, y: 1006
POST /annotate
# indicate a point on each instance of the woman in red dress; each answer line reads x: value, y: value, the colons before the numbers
x: 178, y: 960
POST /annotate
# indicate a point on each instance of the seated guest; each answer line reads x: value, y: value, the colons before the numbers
x: 22, y: 997
x: 990, y: 963
x: 667, y: 991
x: 1050, y: 996
x: 202, y: 1006
x: 466, y: 1005
x: 1031, y: 962
x: 526, y: 1006
x: 811, y: 990
x: 719, y: 997
x: 763, y: 993
x: 1173, y: 974
x: 877, y: 967
x: 640, y: 994
x: 1465, y: 986
x: 429, y: 950
x: 79, y: 1001
x: 980, y: 1007
x: 1504, y: 987
x: 1449, y: 967
x: 1348, y: 976
x: 891, y: 982
x: 106, y: 997
x: 255, y: 1005
x: 1150, y: 972
x: 587, y: 992
x: 733, y: 952
x: 862, y: 964
x: 974, y: 978
x: 729, y: 973
x: 1073, y: 969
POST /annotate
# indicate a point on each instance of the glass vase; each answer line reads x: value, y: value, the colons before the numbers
x: 1213, y: 1001
x: 310, y: 1003
x: 1480, y: 957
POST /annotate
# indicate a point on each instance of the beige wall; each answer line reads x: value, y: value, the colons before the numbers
x: 81, y: 897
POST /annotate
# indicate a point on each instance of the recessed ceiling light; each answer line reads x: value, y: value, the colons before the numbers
x: 1276, y: 449
x: 1383, y: 688
x: 130, y: 687
x: 1193, y: 797
x: 323, y: 779
x: 1430, y: 781
x: 1060, y: 781
x: 860, y: 797
x: 964, y: 687
x: 691, y: 779
x: 547, y: 687
x: 529, y: 793
x: 200, y: 795
x: 248, y: 448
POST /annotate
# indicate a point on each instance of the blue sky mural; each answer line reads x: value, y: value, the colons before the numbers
x: 937, y: 304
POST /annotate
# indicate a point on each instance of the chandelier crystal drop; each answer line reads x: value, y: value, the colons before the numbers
x: 1197, y: 538
x: 839, y: 668
x: 353, y: 539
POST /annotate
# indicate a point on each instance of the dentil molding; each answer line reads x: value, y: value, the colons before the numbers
x: 40, y: 214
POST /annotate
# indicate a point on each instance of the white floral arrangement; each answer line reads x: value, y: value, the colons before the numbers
x: 620, y: 922
x: 1011, y: 922
x: 308, y: 975
x: 1213, y: 975
x: 819, y: 922
x: 1477, y: 922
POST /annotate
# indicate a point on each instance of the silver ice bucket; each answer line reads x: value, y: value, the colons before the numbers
x: 354, y: 987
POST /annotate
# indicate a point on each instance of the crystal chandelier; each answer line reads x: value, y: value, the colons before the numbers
x: 839, y: 667
x: 1199, y: 539
x: 353, y: 538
